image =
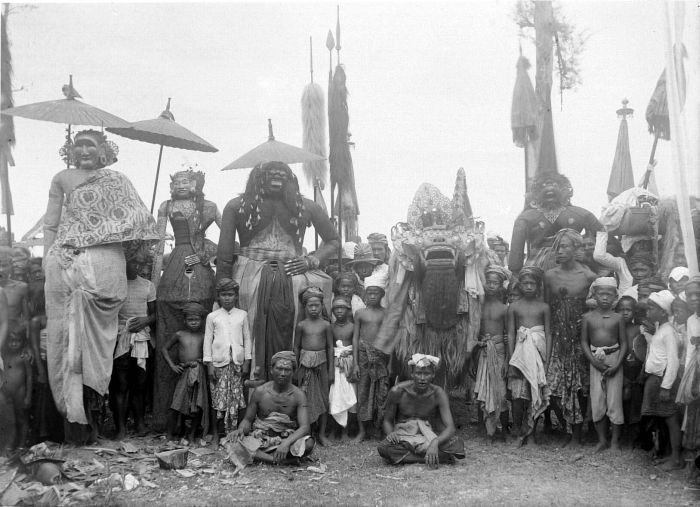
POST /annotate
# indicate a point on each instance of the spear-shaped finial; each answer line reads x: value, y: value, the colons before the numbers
x: 625, y: 111
x: 270, y: 136
x: 337, y: 34
x: 330, y: 44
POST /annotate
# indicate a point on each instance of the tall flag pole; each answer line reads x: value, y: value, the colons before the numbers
x: 621, y: 175
x: 523, y: 115
x: 330, y: 45
x: 313, y: 119
x: 7, y: 126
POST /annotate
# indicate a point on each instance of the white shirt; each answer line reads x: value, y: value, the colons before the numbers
x: 662, y: 355
x: 227, y: 337
x: 617, y: 264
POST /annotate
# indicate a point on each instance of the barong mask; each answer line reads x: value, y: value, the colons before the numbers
x: 89, y: 149
x: 551, y: 192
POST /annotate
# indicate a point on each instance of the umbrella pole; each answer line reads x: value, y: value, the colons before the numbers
x: 155, y: 185
x: 6, y: 196
x: 647, y: 174
x: 315, y: 231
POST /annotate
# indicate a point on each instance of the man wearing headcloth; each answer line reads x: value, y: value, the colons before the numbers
x: 380, y: 250
x: 490, y: 353
x: 417, y: 420
x: 565, y: 289
x: 271, y: 218
x: 95, y: 221
x: 276, y: 425
x: 548, y: 211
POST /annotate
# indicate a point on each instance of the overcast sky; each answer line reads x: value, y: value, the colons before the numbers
x: 430, y: 91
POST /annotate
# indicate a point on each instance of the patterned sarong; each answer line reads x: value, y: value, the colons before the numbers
x: 313, y: 380
x: 373, y: 387
x: 490, y: 386
x: 227, y: 395
x: 415, y: 436
x: 568, y: 374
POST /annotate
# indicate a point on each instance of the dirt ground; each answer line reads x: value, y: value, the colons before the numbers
x: 354, y: 474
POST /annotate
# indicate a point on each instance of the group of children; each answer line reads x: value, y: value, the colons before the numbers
x: 638, y: 354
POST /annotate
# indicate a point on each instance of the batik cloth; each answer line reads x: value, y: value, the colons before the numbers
x: 567, y: 376
x: 373, y: 387
x: 530, y: 383
x: 414, y: 437
x: 342, y: 396
x: 490, y: 384
x: 313, y: 380
x: 266, y: 435
x: 227, y: 394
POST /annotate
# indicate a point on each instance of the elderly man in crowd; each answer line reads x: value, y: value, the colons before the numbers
x: 411, y: 409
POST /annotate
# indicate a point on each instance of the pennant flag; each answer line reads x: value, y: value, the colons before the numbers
x: 621, y: 175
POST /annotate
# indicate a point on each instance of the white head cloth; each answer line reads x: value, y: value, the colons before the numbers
x: 423, y: 360
x: 664, y: 299
x: 604, y: 281
x: 349, y: 249
x: 678, y: 273
x: 379, y: 278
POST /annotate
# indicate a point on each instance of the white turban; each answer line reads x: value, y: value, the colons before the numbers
x: 423, y: 360
x: 380, y: 278
x: 678, y: 273
x: 604, y: 281
x: 664, y: 299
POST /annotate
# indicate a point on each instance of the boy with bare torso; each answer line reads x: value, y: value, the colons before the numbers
x: 17, y: 292
x: 371, y: 365
x: 530, y: 346
x: 490, y: 385
x: 604, y: 343
x: 341, y: 399
x: 191, y: 396
x: 313, y: 349
x: 17, y: 385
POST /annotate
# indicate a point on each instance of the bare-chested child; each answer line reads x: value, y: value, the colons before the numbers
x: 371, y: 365
x: 490, y: 384
x: 313, y: 349
x: 530, y: 346
x: 632, y: 368
x: 343, y: 394
x: 17, y: 292
x: 191, y: 396
x: 604, y: 342
x: 17, y: 385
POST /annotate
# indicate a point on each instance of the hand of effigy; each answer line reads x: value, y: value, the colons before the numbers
x: 193, y: 259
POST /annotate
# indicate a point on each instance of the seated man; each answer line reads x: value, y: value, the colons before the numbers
x: 409, y: 408
x: 276, y: 424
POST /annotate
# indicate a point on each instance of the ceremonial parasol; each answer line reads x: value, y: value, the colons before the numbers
x: 69, y: 110
x: 272, y: 150
x: 657, y: 119
x: 523, y: 112
x: 621, y: 176
x: 164, y: 131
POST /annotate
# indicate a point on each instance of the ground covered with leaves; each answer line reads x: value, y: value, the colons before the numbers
x: 346, y: 473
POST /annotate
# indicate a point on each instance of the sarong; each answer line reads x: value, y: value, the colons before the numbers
x: 689, y: 394
x: 652, y: 404
x: 342, y: 396
x: 373, y: 387
x: 632, y: 389
x: 191, y: 394
x: 313, y: 380
x: 415, y: 436
x: 271, y: 299
x: 490, y: 385
x: 530, y: 349
x: 227, y: 395
x: 567, y: 376
x: 266, y: 435
x: 85, y: 289
x: 606, y: 392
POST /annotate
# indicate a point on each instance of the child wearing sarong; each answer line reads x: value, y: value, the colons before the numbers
x: 491, y: 354
x: 632, y: 368
x: 661, y: 367
x: 370, y: 364
x: 313, y: 349
x: 227, y: 353
x: 604, y: 342
x: 191, y: 396
x: 343, y: 394
x: 530, y: 346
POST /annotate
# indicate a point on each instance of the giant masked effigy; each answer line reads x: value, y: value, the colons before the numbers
x: 436, y: 279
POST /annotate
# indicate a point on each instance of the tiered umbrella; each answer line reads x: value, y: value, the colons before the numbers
x: 164, y: 131
x: 272, y: 150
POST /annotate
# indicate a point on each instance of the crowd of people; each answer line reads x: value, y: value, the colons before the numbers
x: 256, y: 341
